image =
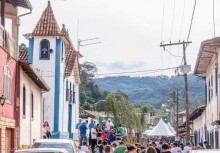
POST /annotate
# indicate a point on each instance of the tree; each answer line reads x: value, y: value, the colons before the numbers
x: 168, y: 110
x: 87, y: 72
x: 144, y: 111
x: 121, y: 109
x: 89, y: 91
x: 124, y: 111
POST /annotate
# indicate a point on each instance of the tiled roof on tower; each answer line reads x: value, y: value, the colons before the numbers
x: 47, y: 25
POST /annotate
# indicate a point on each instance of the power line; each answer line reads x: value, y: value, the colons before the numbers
x: 164, y: 1
x: 153, y: 70
x: 131, y: 72
x: 194, y: 7
x: 191, y: 21
x: 174, y: 6
x: 172, y: 54
x: 213, y: 15
x: 182, y: 18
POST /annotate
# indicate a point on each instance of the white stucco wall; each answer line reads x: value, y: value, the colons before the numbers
x: 198, y: 125
x: 75, y: 112
x: 211, y: 108
x: 47, y: 71
x: 30, y: 128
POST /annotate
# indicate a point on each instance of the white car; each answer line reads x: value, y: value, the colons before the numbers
x: 205, y: 151
x: 55, y: 143
x: 42, y: 150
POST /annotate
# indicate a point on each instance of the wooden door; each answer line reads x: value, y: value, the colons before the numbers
x: 9, y: 139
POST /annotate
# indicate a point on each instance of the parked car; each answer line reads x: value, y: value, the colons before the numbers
x: 42, y: 150
x: 55, y: 143
x: 205, y: 151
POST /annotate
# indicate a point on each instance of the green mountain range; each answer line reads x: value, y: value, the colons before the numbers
x: 154, y: 90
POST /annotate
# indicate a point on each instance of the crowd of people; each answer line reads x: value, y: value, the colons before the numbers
x: 107, y: 138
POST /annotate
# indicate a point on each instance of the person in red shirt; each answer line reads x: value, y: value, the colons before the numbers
x: 104, y: 135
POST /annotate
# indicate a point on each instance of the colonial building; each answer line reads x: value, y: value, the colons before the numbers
x: 32, y: 86
x: 207, y: 65
x: 198, y: 130
x: 53, y: 54
x: 9, y: 94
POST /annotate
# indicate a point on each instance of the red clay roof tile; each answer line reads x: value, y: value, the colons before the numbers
x: 47, y: 25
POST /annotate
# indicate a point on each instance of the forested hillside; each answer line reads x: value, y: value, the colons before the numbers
x: 154, y: 90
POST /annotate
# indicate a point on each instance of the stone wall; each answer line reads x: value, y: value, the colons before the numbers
x: 4, y: 124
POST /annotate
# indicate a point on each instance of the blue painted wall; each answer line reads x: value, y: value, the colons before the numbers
x: 57, y: 85
x: 30, y: 50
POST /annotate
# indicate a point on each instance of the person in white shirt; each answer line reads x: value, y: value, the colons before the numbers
x: 176, y: 149
x: 84, y: 148
x: 108, y: 125
x: 187, y: 148
x: 93, y: 137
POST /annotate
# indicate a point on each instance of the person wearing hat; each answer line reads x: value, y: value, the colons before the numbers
x: 109, y: 124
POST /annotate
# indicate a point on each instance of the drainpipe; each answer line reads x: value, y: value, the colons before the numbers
x: 216, y: 73
x: 17, y: 103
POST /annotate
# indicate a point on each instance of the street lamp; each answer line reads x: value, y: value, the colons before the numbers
x: 2, y: 100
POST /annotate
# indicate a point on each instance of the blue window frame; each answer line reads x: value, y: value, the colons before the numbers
x: 73, y: 94
x: 67, y: 91
x: 24, y: 102
x: 44, y: 49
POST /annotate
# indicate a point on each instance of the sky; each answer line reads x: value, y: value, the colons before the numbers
x: 130, y: 31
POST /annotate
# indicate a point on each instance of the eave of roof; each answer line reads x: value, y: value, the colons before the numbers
x: 197, y: 112
x: 208, y: 49
x: 21, y: 3
x: 33, y: 74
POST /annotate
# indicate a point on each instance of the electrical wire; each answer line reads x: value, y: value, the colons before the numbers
x: 190, y: 27
x: 164, y: 1
x: 172, y: 54
x: 213, y: 15
x: 161, y: 56
x: 171, y: 32
x: 184, y: 4
x: 153, y: 70
x: 131, y: 72
x: 194, y: 8
x: 161, y: 37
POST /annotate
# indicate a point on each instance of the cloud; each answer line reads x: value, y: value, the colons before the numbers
x: 120, y: 66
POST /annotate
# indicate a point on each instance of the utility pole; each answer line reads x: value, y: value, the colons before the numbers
x: 185, y: 69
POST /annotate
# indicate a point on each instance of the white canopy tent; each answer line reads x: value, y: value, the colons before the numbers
x: 171, y: 128
x: 161, y: 130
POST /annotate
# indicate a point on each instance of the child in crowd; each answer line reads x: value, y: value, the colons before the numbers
x: 84, y: 148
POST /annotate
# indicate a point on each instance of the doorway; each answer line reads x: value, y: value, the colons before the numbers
x: 9, y: 140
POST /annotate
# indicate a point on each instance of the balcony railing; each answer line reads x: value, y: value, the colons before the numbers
x: 7, y: 42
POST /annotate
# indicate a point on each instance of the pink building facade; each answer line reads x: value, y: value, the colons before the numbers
x: 9, y: 75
